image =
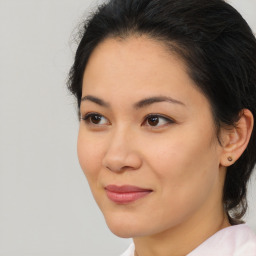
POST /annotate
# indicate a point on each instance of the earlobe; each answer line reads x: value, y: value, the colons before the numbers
x: 236, y: 139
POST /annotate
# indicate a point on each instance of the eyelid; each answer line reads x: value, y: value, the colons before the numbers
x: 168, y: 120
x: 86, y: 117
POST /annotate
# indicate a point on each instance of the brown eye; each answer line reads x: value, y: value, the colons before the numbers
x: 157, y: 121
x: 153, y: 120
x: 95, y: 119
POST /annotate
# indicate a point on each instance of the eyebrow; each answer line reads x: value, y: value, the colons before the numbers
x: 140, y: 104
x: 95, y: 100
x: 151, y: 100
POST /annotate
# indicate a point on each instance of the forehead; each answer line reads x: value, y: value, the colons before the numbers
x: 144, y: 47
x: 137, y: 67
x: 136, y: 57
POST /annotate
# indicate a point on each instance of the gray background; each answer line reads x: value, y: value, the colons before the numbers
x: 45, y: 204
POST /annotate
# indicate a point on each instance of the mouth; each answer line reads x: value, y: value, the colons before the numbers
x: 126, y: 194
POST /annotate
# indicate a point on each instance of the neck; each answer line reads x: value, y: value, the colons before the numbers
x: 182, y: 239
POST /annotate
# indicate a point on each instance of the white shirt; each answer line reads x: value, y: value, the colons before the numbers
x: 238, y: 240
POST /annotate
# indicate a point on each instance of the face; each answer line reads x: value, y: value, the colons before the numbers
x: 147, y: 142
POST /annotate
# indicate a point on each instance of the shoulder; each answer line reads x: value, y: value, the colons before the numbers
x: 129, y: 251
x: 238, y: 240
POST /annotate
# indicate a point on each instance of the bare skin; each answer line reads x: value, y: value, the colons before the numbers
x: 146, y: 124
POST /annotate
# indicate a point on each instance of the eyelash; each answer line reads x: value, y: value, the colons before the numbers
x: 87, y: 118
x: 167, y: 120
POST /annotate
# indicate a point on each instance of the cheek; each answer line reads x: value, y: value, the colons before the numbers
x: 184, y: 164
x: 186, y: 180
x: 89, y: 152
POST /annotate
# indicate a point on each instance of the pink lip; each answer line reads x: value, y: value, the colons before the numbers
x: 125, y: 194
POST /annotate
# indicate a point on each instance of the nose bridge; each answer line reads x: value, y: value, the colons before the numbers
x: 121, y: 152
x: 119, y: 137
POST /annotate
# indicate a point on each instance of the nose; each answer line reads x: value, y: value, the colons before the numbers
x: 122, y: 153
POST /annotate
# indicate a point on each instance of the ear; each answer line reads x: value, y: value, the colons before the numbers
x: 236, y: 139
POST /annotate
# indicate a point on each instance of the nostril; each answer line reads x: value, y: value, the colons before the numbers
x: 121, y: 157
x: 124, y: 168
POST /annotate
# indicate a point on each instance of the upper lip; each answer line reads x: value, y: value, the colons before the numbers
x: 125, y: 189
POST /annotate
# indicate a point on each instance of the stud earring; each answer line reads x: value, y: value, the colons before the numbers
x: 230, y: 159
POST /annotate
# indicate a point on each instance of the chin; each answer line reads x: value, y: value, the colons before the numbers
x: 122, y: 233
x: 121, y: 228
x: 124, y: 228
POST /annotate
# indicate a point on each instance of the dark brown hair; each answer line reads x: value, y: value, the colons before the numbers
x: 218, y: 48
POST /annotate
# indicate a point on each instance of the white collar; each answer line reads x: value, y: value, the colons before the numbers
x: 238, y: 240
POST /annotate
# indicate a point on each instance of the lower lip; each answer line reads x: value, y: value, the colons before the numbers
x: 126, y: 197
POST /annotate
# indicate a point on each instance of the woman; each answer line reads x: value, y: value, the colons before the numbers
x: 166, y: 92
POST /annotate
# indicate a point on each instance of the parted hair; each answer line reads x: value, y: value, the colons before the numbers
x: 218, y: 48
